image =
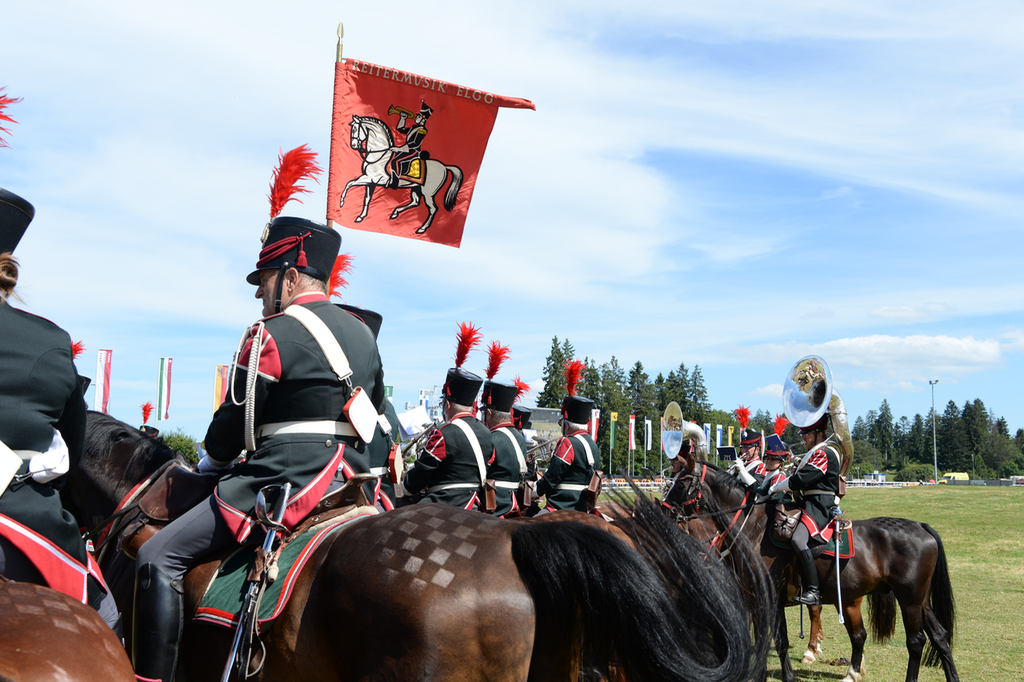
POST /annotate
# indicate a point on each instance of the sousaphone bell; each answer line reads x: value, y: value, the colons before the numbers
x: 808, y: 395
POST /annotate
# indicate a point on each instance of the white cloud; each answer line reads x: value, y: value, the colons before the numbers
x: 769, y: 391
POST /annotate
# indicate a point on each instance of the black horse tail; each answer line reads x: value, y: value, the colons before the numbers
x: 883, y: 615
x: 665, y: 613
x: 942, y: 603
x: 453, y: 189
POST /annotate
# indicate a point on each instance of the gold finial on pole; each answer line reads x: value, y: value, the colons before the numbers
x: 341, y: 34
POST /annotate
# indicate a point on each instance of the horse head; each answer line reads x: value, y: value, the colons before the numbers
x: 369, y: 134
x: 116, y: 456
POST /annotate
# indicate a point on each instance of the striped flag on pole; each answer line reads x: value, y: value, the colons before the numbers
x: 102, y: 398
x: 647, y: 434
x: 632, y: 432
x: 220, y: 386
x: 595, y: 419
x: 163, y: 398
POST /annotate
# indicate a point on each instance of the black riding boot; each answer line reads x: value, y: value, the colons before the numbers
x: 156, y: 625
x: 811, y: 596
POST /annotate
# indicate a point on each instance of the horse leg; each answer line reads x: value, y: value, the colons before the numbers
x: 782, y: 642
x: 428, y: 199
x: 815, y: 637
x: 366, y: 202
x: 913, y: 624
x: 858, y: 635
x: 361, y: 180
x: 414, y: 201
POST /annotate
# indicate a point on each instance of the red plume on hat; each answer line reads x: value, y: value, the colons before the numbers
x: 522, y: 388
x: 147, y: 410
x: 573, y: 373
x: 743, y: 416
x: 6, y: 101
x: 468, y: 338
x: 292, y: 167
x: 77, y: 348
x: 496, y: 355
x: 342, y: 265
x: 780, y: 425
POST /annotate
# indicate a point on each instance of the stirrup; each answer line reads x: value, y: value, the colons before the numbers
x: 811, y: 597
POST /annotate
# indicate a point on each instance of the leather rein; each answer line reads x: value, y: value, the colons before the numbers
x: 690, y: 508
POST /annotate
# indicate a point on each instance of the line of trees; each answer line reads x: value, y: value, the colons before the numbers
x: 969, y: 439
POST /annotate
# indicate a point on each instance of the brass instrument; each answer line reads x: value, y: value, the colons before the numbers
x: 808, y: 394
x: 676, y: 431
x: 393, y: 110
x: 410, y: 447
x: 543, y: 451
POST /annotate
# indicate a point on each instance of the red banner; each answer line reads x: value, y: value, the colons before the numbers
x: 406, y: 150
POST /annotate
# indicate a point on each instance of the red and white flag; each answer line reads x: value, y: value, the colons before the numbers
x: 595, y: 420
x: 647, y: 434
x: 102, y: 397
x: 413, y: 145
x: 163, y: 398
x: 632, y: 432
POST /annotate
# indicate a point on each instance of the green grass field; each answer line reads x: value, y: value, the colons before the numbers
x: 982, y: 530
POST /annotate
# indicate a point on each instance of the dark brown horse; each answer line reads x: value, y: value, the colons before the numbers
x: 431, y: 592
x: 895, y: 557
x: 47, y: 635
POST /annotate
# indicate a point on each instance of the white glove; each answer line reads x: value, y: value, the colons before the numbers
x: 745, y: 476
x: 780, y: 487
x: 209, y: 466
x: 51, y: 464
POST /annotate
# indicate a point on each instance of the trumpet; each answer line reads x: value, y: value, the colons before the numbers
x: 411, y: 445
x: 392, y: 110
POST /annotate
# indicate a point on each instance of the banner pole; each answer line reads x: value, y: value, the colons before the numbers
x: 334, y: 106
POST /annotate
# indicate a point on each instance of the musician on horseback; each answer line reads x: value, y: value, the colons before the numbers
x: 576, y: 459
x: 407, y: 160
x: 815, y: 487
x: 452, y: 467
x: 42, y: 432
x: 296, y: 408
x: 509, y: 468
x: 382, y: 444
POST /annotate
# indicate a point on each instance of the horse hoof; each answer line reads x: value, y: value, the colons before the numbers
x: 808, y: 657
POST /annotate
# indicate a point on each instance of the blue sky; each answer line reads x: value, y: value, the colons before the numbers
x: 729, y: 184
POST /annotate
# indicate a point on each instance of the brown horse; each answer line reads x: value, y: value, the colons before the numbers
x: 432, y: 592
x: 49, y: 636
x: 894, y: 558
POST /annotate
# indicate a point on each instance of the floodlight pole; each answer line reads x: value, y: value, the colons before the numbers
x: 935, y: 447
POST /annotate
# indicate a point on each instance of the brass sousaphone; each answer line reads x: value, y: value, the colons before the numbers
x: 675, y: 430
x: 807, y: 395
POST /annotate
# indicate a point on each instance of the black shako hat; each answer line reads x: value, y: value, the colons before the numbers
x: 521, y: 417
x: 577, y: 409
x: 750, y: 437
x: 307, y: 246
x: 370, y: 318
x: 461, y: 386
x: 15, y: 215
x: 499, y: 396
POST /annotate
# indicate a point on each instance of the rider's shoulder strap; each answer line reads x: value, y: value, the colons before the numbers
x: 474, y: 443
x: 586, y: 449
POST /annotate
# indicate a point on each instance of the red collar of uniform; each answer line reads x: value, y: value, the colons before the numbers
x: 502, y: 425
x: 576, y: 433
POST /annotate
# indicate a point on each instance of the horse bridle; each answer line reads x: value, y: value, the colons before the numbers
x: 691, y: 506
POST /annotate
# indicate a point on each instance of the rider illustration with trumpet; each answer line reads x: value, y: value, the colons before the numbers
x: 408, y: 160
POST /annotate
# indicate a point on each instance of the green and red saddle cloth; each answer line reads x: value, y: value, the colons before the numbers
x: 223, y: 600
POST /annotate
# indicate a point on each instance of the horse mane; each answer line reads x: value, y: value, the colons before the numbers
x: 148, y: 454
x: 385, y: 128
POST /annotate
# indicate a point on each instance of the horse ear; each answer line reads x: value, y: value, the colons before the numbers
x: 691, y: 464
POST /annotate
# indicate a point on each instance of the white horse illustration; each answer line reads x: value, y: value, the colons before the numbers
x: 372, y: 138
